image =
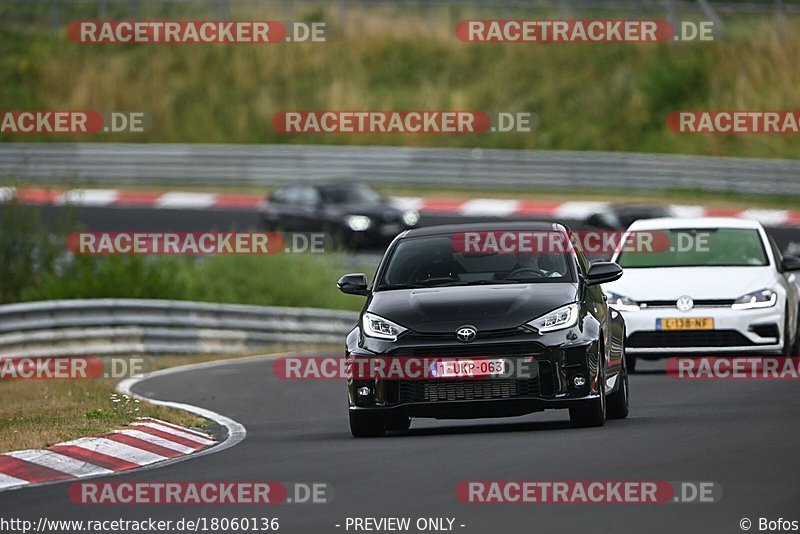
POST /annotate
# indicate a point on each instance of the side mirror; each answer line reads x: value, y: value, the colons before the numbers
x: 353, y: 284
x: 790, y: 263
x: 602, y: 272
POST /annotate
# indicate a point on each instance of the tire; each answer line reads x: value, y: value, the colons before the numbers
x: 788, y: 348
x: 592, y: 413
x: 617, y: 402
x: 797, y: 336
x: 399, y: 423
x: 366, y: 426
x: 630, y: 363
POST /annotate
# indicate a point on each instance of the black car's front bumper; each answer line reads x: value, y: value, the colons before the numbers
x: 557, y: 359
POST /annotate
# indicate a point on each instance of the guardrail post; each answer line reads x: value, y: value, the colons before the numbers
x: 672, y: 13
x: 780, y: 18
x: 55, y: 17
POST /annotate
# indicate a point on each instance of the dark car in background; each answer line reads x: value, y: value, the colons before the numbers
x: 621, y: 216
x: 542, y: 311
x: 352, y: 214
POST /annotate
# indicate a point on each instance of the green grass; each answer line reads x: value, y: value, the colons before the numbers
x: 587, y: 96
x: 305, y: 280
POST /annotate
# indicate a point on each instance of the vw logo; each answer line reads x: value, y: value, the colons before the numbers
x: 465, y: 334
x: 685, y: 303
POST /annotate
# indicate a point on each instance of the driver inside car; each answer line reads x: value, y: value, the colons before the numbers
x: 543, y: 265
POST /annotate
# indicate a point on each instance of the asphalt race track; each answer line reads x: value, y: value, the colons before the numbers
x: 740, y: 434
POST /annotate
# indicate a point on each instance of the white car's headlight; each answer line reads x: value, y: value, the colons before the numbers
x: 358, y: 223
x: 622, y: 303
x: 378, y: 327
x: 411, y: 217
x: 766, y: 298
x: 563, y: 317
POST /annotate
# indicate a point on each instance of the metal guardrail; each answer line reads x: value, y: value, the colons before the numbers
x: 268, y: 165
x: 99, y: 327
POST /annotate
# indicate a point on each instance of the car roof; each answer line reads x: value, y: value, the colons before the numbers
x: 321, y: 184
x: 446, y: 229
x: 665, y: 223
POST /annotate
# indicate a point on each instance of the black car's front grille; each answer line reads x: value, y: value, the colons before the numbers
x: 698, y: 338
x: 456, y: 390
x: 451, y: 336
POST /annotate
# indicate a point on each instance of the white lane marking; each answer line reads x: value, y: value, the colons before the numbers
x: 88, y: 197
x: 578, y: 209
x: 407, y: 203
x: 186, y: 200
x: 116, y: 449
x: 489, y: 206
x: 7, y: 481
x: 59, y: 462
x: 170, y: 430
x: 155, y: 440
x: 6, y: 194
x: 766, y: 217
x: 683, y: 210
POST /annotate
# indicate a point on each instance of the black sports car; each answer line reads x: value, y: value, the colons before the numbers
x: 496, y: 333
x: 352, y: 214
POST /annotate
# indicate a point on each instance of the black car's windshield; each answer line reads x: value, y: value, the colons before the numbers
x: 349, y: 194
x: 704, y: 247
x: 433, y: 261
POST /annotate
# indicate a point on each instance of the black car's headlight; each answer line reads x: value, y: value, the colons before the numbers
x: 378, y: 327
x: 410, y: 217
x: 563, y: 317
x: 622, y: 303
x: 766, y: 298
x: 358, y: 223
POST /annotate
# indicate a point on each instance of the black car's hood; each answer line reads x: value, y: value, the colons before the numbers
x: 495, y: 307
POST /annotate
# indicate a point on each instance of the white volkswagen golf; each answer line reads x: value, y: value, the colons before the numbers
x: 710, y: 285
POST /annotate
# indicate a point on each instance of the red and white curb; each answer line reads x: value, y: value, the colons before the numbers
x: 476, y: 207
x: 144, y: 442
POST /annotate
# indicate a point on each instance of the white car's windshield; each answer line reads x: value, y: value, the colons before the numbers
x: 702, y: 247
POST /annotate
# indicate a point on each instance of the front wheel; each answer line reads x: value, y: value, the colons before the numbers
x: 797, y: 336
x: 366, y: 426
x: 630, y: 362
x: 618, y: 401
x: 787, y: 344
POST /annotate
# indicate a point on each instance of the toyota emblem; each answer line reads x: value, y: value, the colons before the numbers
x: 685, y: 303
x: 465, y: 334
